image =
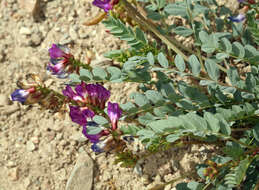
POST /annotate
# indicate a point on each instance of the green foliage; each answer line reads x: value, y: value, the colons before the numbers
x: 198, y: 94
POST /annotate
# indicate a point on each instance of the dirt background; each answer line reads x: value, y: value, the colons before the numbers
x: 38, y: 151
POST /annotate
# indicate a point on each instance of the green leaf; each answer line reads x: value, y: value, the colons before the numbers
x: 154, y: 96
x: 74, y: 78
x: 233, y: 76
x: 250, y: 82
x: 179, y: 63
x: 212, y: 121
x: 162, y: 60
x: 141, y: 36
x: 195, y: 65
x: 145, y: 134
x: 212, y: 69
x: 192, y: 93
x: 241, y: 170
x: 233, y: 149
x: 114, y: 72
x: 130, y: 130
x: 150, y: 58
x: 183, y: 31
x: 226, y: 45
x: 146, y: 119
x: 140, y: 99
x: 172, y: 138
x: 224, y: 125
x: 99, y: 72
x: 194, y: 122
x: 193, y: 185
x: 256, y: 131
x: 162, y: 125
x: 91, y: 130
x: 221, y: 56
x: 100, y: 120
x: 204, y: 37
x: 238, y: 50
x: 176, y: 9
x: 85, y: 74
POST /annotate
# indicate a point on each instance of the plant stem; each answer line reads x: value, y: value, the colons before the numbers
x: 134, y: 15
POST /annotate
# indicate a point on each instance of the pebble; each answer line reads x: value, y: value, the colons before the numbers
x: 73, y: 34
x: 36, y: 39
x: 30, y: 146
x: 78, y: 137
x: 82, y: 174
x: 25, y: 31
x: 4, y: 100
x: 13, y: 174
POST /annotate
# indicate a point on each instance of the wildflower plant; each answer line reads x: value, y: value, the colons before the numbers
x: 204, y: 93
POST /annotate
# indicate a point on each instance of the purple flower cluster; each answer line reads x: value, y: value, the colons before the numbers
x: 106, y: 5
x: 60, y: 60
x: 96, y: 96
x: 93, y: 94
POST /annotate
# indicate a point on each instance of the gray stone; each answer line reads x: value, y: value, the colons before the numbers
x: 73, y: 34
x: 82, y: 175
x: 30, y: 146
x: 25, y: 31
x: 78, y: 137
x: 4, y: 100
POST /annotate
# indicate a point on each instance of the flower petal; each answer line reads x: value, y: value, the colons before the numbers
x: 20, y: 95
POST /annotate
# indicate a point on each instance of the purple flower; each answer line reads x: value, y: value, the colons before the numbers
x: 114, y: 112
x: 58, y: 51
x: 97, y: 95
x: 71, y: 94
x: 93, y: 94
x: 238, y: 18
x: 103, y: 4
x: 241, y: 1
x: 20, y: 95
x: 60, y: 59
x: 79, y: 115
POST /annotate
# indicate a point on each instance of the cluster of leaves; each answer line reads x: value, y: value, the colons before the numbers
x: 204, y: 96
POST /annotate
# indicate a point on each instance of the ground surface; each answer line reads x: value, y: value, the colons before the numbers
x: 39, y: 151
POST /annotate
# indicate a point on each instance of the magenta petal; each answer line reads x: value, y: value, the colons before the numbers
x: 77, y: 115
x: 71, y: 94
x: 105, y: 4
x: 114, y: 113
x: 56, y: 52
x: 81, y: 90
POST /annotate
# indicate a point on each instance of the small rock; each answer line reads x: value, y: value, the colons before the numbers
x: 168, y: 187
x: 4, y: 100
x: 73, y: 34
x: 30, y: 146
x: 26, y: 182
x: 82, y: 34
x: 145, y: 179
x: 13, y: 174
x: 78, y: 137
x: 36, y: 39
x: 25, y: 31
x: 82, y: 174
x: 35, y: 140
x: 31, y: 6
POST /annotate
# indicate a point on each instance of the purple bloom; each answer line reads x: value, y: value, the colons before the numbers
x: 58, y: 51
x: 60, y: 60
x: 98, y: 95
x: 20, y: 95
x: 93, y: 94
x: 238, y: 18
x: 241, y: 1
x: 114, y: 112
x: 103, y: 4
x: 79, y: 115
x: 71, y: 94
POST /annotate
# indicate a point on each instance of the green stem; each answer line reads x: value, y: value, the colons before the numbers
x: 134, y: 15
